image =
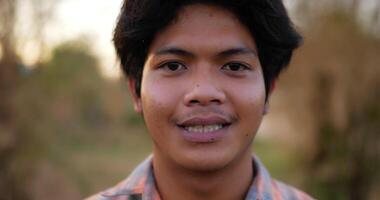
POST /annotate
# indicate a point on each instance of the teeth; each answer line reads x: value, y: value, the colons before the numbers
x: 203, y: 129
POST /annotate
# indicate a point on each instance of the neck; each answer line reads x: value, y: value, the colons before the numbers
x: 230, y: 182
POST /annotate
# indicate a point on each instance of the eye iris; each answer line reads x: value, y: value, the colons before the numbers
x: 173, y: 66
x: 234, y: 67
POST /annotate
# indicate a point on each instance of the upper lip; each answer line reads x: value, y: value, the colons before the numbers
x: 201, y: 120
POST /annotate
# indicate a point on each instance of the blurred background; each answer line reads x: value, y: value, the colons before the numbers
x: 68, y: 130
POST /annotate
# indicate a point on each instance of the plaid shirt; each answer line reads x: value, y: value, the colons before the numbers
x: 140, y: 185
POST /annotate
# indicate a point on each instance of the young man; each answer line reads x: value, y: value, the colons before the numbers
x: 200, y: 73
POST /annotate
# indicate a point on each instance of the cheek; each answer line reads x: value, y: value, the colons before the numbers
x: 251, y: 112
x: 159, y: 101
x: 250, y: 109
x: 248, y: 98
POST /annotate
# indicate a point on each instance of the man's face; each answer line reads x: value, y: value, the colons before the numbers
x: 202, y: 91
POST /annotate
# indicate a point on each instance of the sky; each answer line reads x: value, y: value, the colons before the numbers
x: 90, y: 18
x: 71, y: 19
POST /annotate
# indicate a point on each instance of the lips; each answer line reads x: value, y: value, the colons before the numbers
x: 199, y: 120
x: 204, y: 124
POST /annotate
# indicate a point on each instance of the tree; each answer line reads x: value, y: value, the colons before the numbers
x: 9, y: 78
x: 11, y: 136
x: 338, y: 69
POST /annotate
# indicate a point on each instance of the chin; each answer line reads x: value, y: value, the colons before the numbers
x: 205, y: 166
x: 204, y: 162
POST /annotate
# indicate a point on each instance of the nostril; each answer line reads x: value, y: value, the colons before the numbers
x: 204, y: 95
x: 215, y: 101
x: 194, y: 101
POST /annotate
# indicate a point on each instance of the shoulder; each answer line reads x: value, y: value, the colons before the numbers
x: 117, y: 192
x: 96, y: 197
x: 286, y: 192
x: 265, y: 187
x: 130, y: 188
x: 102, y: 196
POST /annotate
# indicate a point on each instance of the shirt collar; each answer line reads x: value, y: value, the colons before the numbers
x: 261, y: 187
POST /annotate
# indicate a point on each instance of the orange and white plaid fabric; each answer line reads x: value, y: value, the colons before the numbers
x: 140, y: 185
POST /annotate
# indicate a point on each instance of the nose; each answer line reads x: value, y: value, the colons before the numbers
x: 204, y: 91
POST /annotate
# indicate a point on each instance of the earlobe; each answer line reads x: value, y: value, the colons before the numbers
x: 266, y: 108
x: 137, y: 106
x: 135, y: 97
x: 271, y: 89
x: 272, y: 86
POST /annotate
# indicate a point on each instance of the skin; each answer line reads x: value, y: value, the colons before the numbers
x: 204, y: 64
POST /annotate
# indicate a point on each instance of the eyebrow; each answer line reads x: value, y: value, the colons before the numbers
x: 224, y: 53
x: 237, y: 51
x: 175, y: 51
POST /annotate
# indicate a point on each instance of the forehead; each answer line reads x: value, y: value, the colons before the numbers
x: 200, y: 24
x: 205, y: 12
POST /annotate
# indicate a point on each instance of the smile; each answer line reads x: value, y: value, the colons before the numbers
x: 203, y: 128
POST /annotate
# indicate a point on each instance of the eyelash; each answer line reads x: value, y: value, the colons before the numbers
x: 166, y: 65
x: 181, y: 67
x: 241, y: 65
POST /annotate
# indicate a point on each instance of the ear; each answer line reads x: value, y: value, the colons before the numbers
x: 271, y: 89
x: 272, y: 86
x: 136, y: 99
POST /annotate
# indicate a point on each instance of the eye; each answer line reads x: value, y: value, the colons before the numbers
x: 235, y: 67
x: 173, y: 66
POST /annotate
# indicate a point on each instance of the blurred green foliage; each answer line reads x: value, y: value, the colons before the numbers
x: 77, y: 123
x: 339, y: 68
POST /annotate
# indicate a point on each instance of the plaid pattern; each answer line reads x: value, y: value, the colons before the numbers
x: 140, y: 186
